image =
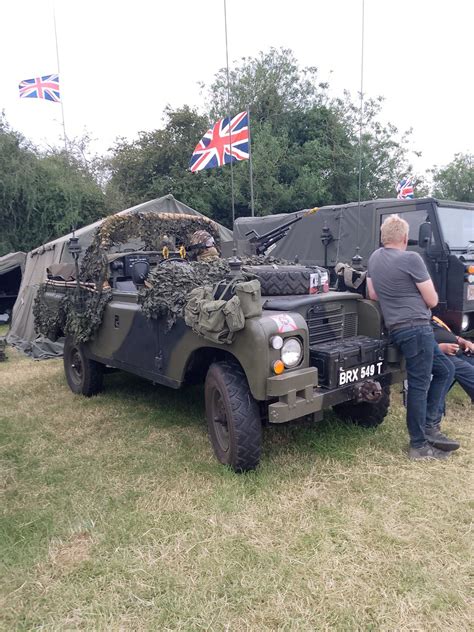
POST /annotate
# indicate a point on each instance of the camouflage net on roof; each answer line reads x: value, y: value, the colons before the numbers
x: 151, y: 228
x: 79, y: 312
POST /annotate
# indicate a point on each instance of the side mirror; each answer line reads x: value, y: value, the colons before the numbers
x: 425, y: 234
x: 140, y: 270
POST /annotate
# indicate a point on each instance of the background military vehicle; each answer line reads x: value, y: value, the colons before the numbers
x: 300, y: 350
x: 441, y: 231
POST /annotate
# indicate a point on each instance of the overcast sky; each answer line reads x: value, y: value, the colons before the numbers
x: 121, y: 63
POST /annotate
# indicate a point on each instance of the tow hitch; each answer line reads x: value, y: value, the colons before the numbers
x: 368, y: 391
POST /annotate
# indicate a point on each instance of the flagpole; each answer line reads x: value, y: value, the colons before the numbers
x: 228, y: 114
x: 57, y: 60
x: 252, y: 204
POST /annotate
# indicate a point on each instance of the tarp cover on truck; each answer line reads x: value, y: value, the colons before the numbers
x: 348, y: 226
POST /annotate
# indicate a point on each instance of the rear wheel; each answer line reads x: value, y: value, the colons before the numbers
x: 365, y: 414
x: 233, y: 417
x: 84, y: 376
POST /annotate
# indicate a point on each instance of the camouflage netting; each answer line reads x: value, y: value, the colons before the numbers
x: 169, y: 285
x: 77, y: 313
x: 151, y: 228
x: 167, y: 288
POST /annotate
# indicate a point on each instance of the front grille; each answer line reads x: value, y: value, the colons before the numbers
x: 328, y: 322
x: 350, y: 325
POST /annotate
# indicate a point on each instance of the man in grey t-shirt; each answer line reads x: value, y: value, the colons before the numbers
x: 400, y: 281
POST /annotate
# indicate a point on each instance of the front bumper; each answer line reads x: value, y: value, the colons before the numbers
x: 298, y: 394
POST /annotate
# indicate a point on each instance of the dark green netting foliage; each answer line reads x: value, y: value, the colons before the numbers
x: 77, y: 312
x: 169, y: 285
x: 150, y: 228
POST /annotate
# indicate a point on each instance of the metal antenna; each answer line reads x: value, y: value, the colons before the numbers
x: 228, y: 113
x: 61, y: 97
x: 356, y: 259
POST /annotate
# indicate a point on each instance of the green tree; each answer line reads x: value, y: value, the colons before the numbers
x: 157, y: 162
x: 272, y: 85
x: 42, y: 195
x: 455, y: 181
x: 305, y: 146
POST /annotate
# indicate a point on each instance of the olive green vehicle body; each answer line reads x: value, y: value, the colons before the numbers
x: 129, y: 341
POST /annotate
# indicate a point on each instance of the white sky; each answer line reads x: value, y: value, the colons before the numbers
x: 121, y: 63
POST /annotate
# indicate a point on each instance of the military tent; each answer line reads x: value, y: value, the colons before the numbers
x: 22, y: 333
x: 11, y: 270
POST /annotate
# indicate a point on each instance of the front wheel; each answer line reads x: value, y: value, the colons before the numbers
x: 84, y: 376
x: 233, y: 417
x: 365, y: 414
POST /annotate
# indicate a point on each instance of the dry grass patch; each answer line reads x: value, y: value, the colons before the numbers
x: 116, y: 516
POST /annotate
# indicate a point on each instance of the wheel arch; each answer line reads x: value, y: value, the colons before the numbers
x: 201, y: 359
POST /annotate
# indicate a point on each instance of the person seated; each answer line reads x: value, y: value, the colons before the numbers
x: 461, y: 353
x: 202, y: 247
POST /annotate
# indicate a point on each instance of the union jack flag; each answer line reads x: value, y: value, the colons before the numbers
x: 214, y: 149
x: 405, y: 189
x: 46, y: 87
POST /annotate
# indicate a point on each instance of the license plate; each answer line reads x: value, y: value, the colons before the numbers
x: 358, y: 373
x: 470, y: 292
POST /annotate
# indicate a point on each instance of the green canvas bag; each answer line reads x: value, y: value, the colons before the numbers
x: 211, y: 317
x: 234, y: 316
x: 193, y: 306
x: 249, y: 293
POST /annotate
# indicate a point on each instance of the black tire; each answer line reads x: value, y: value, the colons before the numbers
x: 282, y: 280
x: 84, y: 376
x: 233, y: 418
x: 365, y: 414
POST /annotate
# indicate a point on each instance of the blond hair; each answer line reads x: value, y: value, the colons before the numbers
x: 393, y: 230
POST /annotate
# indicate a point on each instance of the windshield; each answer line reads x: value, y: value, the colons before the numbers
x: 457, y: 226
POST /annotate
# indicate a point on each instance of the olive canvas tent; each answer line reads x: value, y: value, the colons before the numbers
x: 11, y: 271
x: 22, y: 333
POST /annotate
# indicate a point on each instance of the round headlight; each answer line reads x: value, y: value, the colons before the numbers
x: 291, y: 352
x: 465, y: 322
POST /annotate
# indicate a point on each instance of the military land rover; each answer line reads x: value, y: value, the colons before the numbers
x: 270, y: 341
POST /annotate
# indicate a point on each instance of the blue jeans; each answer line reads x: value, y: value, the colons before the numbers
x: 464, y: 372
x: 429, y: 373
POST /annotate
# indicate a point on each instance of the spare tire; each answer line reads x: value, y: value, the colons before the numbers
x: 282, y: 280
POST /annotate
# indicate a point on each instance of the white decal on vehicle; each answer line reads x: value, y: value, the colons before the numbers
x: 284, y: 323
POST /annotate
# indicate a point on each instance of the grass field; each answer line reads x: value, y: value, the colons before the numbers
x: 116, y: 516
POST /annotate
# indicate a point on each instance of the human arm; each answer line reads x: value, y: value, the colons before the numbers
x: 428, y: 293
x: 371, y: 290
